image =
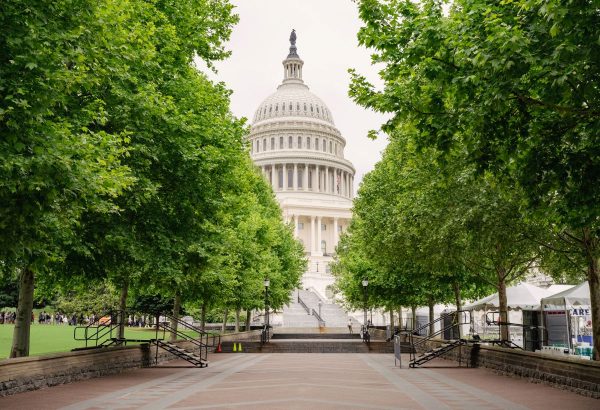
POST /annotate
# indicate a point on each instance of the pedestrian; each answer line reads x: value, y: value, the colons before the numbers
x: 350, y: 325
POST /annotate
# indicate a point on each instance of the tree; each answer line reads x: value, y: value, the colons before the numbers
x: 511, y: 83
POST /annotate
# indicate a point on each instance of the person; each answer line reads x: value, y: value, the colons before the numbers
x: 350, y: 325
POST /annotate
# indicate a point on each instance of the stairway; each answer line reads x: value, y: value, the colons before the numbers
x: 436, y: 352
x: 181, y: 353
x: 332, y: 314
x: 294, y: 315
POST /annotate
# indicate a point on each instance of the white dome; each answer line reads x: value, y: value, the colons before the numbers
x: 293, y: 100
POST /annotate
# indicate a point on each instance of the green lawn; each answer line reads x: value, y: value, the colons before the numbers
x: 53, y: 338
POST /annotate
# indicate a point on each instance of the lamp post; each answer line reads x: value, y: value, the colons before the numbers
x: 365, y: 283
x: 267, y: 283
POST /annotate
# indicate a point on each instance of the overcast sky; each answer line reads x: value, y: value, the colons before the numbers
x: 326, y: 31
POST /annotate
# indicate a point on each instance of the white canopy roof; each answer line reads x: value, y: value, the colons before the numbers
x: 521, y: 296
x: 568, y: 299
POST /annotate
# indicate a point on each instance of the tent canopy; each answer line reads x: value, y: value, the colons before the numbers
x: 568, y: 299
x: 521, y: 296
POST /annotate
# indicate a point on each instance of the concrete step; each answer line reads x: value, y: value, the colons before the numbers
x: 311, y: 346
x: 336, y: 336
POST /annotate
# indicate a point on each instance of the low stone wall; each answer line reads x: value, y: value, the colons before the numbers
x: 567, y: 373
x: 32, y: 373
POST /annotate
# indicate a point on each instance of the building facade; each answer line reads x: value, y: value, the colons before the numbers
x: 300, y: 152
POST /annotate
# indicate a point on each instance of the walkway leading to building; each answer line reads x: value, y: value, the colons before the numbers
x: 300, y: 381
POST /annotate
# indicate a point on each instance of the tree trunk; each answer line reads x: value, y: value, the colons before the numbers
x: 224, y: 327
x: 458, y: 300
x: 593, y: 274
x: 248, y: 319
x: 392, y: 320
x: 414, y: 317
x: 237, y: 320
x: 503, y: 319
x: 400, y: 317
x: 122, y: 309
x: 21, y: 334
x: 175, y: 318
x: 431, y: 304
x: 203, y: 317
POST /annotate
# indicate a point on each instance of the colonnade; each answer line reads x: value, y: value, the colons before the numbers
x: 316, y: 237
x: 309, y: 177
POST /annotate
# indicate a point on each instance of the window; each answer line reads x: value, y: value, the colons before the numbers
x: 280, y: 142
x: 340, y: 228
x: 257, y: 145
x: 308, y: 142
x: 270, y: 108
x: 324, y: 146
x: 311, y: 108
x: 283, y: 106
x: 310, y: 174
x: 323, y: 227
x: 291, y: 106
x: 290, y: 178
x: 298, y: 106
x: 290, y: 142
x: 300, y: 177
x: 272, y: 143
x: 276, y: 108
x: 317, y: 110
x: 330, y: 147
x: 280, y: 178
x: 304, y: 106
x: 300, y: 226
x: 317, y: 144
x: 299, y: 142
x: 264, y: 144
x: 323, y: 247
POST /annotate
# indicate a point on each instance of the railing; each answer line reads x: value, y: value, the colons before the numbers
x: 319, y: 318
x: 304, y: 305
x: 455, y: 322
x: 312, y: 311
x: 198, y: 342
x: 100, y: 331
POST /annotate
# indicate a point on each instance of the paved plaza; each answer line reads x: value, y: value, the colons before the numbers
x: 301, y: 381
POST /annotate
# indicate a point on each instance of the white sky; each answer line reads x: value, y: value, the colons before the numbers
x: 327, y: 43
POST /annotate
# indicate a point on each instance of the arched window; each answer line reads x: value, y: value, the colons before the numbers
x: 276, y: 108
x: 330, y: 147
x: 308, y: 142
x: 290, y: 106
x: 283, y: 106
x: 257, y: 146
x: 290, y: 178
x: 324, y: 247
x: 280, y: 142
x: 318, y: 110
x: 311, y: 108
x: 298, y: 106
x: 280, y: 177
x: 299, y: 142
x: 264, y: 144
x: 270, y: 108
x: 272, y: 143
x: 317, y: 144
x: 290, y: 142
x: 304, y: 106
x: 324, y: 146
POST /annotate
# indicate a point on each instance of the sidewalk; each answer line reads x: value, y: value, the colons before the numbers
x: 300, y: 381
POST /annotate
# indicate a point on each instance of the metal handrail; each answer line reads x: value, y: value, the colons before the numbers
x: 427, y: 338
x: 304, y: 305
x: 202, y: 347
x: 319, y: 318
x: 216, y: 338
x: 99, y: 331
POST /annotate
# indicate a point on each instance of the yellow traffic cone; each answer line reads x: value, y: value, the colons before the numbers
x: 240, y: 348
x: 234, y: 347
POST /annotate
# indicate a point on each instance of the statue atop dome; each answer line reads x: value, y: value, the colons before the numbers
x: 293, y: 50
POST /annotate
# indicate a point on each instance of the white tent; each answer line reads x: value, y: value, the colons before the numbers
x: 522, y: 296
x: 575, y: 297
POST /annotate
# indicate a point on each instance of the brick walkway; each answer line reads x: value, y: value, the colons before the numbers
x: 300, y: 381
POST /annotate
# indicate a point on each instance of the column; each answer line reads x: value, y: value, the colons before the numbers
x: 295, y: 176
x: 312, y: 235
x: 305, y: 177
x: 319, y: 236
x: 335, y: 232
x: 318, y: 175
x: 285, y: 177
x: 326, y: 179
x: 275, y: 177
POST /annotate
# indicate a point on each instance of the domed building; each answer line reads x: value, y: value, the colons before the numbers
x: 301, y: 154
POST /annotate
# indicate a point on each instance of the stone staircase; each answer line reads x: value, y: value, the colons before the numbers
x: 332, y: 314
x: 294, y: 315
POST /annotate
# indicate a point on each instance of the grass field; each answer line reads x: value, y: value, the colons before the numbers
x: 56, y: 338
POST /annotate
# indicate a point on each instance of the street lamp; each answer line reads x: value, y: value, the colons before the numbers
x: 267, y: 283
x: 365, y: 283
